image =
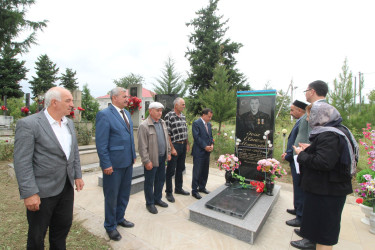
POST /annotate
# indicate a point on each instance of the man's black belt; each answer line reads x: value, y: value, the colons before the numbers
x: 180, y: 142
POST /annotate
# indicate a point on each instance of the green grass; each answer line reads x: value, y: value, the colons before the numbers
x: 13, y: 223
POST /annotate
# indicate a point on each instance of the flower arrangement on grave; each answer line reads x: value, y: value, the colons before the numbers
x: 4, y: 108
x: 134, y: 104
x: 25, y: 110
x: 366, y: 177
x: 228, y: 162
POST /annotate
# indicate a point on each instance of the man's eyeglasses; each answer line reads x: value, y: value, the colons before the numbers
x: 306, y: 90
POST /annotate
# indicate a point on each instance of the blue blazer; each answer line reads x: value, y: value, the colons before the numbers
x: 291, y: 139
x: 201, y: 138
x: 114, y: 141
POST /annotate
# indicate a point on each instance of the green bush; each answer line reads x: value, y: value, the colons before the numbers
x: 84, y: 133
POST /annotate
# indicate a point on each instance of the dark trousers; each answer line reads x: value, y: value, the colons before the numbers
x: 201, y: 167
x: 175, y: 165
x: 298, y: 194
x: 116, y: 188
x: 154, y: 182
x: 56, y: 213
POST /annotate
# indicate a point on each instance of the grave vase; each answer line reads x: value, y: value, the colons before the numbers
x: 269, y: 185
x: 228, y: 177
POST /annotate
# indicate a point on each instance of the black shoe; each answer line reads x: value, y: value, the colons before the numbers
x: 169, y: 197
x: 291, y: 211
x: 294, y: 222
x: 204, y: 191
x: 161, y: 203
x: 114, y: 235
x: 152, y: 209
x: 303, y: 244
x: 126, y: 223
x: 298, y: 232
x: 181, y: 191
x: 196, y: 196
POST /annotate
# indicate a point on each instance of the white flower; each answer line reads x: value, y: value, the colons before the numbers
x: 267, y: 132
x: 270, y: 145
x: 264, y: 137
x: 225, y: 134
x: 232, y: 131
x: 231, y: 137
x: 237, y: 143
x: 284, y: 131
x: 269, y: 142
x: 238, y: 140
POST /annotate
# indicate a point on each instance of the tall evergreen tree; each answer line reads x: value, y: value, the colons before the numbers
x: 89, y: 103
x: 12, y: 71
x: 46, y: 72
x: 13, y: 22
x: 220, y: 97
x: 68, y: 81
x: 342, y: 94
x: 208, y: 46
x: 170, y: 82
x: 124, y: 82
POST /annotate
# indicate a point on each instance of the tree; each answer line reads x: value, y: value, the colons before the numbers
x: 13, y: 22
x: 124, y: 82
x: 209, y: 46
x: 220, y: 97
x: 68, y: 81
x: 46, y: 72
x: 170, y: 82
x: 283, y: 99
x: 89, y: 103
x: 12, y: 71
x: 371, y: 97
x: 342, y: 95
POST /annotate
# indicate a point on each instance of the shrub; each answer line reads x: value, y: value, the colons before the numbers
x: 6, y: 150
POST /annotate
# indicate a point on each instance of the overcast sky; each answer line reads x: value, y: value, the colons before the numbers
x: 282, y: 40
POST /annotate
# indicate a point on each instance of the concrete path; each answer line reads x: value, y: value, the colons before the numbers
x: 171, y: 228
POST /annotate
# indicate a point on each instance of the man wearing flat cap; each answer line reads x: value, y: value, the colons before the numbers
x: 297, y: 110
x: 154, y: 149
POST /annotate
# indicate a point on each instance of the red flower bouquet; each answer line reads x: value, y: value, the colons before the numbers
x: 134, y: 104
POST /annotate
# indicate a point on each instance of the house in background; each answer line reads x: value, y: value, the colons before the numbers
x: 147, y: 98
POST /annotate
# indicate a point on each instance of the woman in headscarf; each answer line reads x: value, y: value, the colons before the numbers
x: 327, y: 165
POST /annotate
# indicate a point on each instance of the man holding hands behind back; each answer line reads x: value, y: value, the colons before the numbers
x: 116, y: 150
x: 47, y: 165
x: 154, y: 148
x: 202, y: 147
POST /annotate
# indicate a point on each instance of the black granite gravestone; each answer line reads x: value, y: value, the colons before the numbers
x: 234, y: 201
x: 255, y: 115
x: 167, y: 101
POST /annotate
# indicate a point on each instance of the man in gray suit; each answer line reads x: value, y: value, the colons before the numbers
x: 47, y: 165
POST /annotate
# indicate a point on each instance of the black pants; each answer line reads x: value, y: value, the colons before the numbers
x: 56, y: 213
x: 175, y: 165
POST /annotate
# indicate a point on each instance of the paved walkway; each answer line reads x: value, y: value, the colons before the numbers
x: 171, y: 228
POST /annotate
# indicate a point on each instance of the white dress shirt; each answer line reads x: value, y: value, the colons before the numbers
x: 62, y: 132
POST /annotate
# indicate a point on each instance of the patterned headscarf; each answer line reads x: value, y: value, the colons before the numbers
x: 323, y: 118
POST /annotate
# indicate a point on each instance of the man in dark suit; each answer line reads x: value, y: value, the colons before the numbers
x: 116, y: 150
x: 47, y: 165
x: 297, y: 110
x: 202, y: 147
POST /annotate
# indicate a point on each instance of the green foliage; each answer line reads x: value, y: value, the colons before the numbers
x: 220, y: 98
x: 284, y: 100
x: 12, y: 71
x: 342, y: 94
x: 170, y: 82
x: 359, y: 118
x: 208, y: 47
x: 360, y: 174
x: 90, y: 104
x: 68, y: 81
x: 46, y: 72
x: 6, y: 150
x: 224, y: 142
x: 124, y: 82
x: 84, y: 133
x: 13, y: 23
x: 371, y: 97
x: 14, y: 107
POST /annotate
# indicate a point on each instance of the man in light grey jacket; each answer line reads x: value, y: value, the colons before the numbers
x: 47, y: 165
x: 154, y: 149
